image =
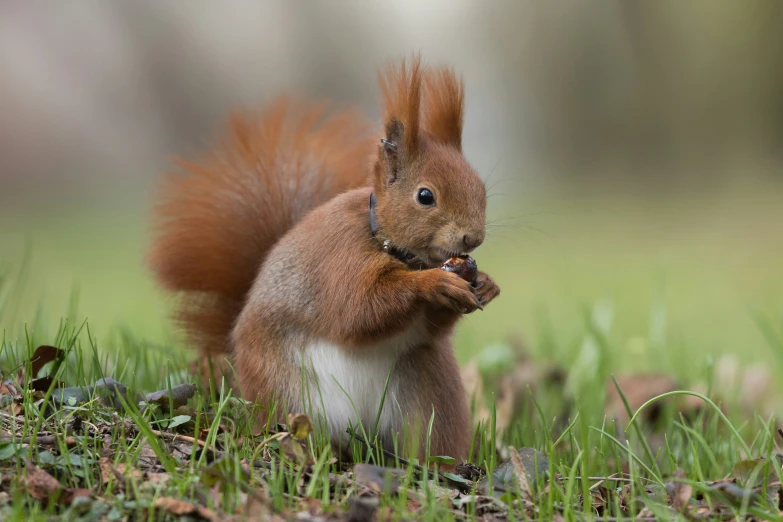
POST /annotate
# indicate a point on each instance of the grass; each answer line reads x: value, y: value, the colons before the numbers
x: 656, y: 291
x: 234, y: 460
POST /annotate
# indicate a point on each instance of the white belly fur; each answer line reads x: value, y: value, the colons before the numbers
x: 361, y: 373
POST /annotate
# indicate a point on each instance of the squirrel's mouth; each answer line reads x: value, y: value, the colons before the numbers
x: 438, y: 256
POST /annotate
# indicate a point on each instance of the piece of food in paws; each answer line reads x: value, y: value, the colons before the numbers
x: 463, y: 266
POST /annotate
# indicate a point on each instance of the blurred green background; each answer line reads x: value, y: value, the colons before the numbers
x: 634, y: 152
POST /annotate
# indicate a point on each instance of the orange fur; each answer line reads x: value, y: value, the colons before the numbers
x: 217, y: 218
x: 444, y: 106
x: 267, y: 240
x: 401, y: 85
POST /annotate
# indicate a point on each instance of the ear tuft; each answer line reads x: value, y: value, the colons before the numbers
x: 444, y: 106
x: 401, y: 86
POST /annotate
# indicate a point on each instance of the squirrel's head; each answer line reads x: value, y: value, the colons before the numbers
x: 430, y: 201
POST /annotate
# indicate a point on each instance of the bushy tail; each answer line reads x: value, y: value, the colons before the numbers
x: 218, y: 217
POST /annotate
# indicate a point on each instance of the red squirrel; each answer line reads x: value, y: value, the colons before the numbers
x: 307, y: 253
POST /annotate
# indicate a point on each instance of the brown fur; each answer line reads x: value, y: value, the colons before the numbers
x: 259, y: 236
x: 217, y: 218
x: 401, y: 86
x: 444, y: 107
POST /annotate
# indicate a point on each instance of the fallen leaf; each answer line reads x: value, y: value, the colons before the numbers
x: 157, y: 478
x: 751, y: 473
x: 535, y: 464
x: 299, y: 425
x: 256, y: 506
x: 510, y: 373
x: 107, y: 389
x: 378, y: 479
x: 521, y: 473
x: 109, y: 473
x: 9, y: 388
x: 69, y: 495
x: 295, y: 450
x: 42, y: 356
x: 40, y: 484
x: 732, y: 493
x: 504, y: 404
x: 204, y: 432
x: 145, y: 452
x: 362, y: 509
x: 45, y: 488
x: 180, y: 507
x: 41, y: 384
x: 179, y: 395
x: 638, y: 389
x: 682, y: 491
x: 221, y: 469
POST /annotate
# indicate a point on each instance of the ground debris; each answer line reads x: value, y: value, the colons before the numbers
x: 189, y: 462
x: 180, y: 507
x: 44, y: 487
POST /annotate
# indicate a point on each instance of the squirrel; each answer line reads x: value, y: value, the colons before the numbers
x: 306, y: 253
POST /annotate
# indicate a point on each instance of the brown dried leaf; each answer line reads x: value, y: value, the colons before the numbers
x: 521, y: 473
x: 180, y: 507
x: 638, y: 389
x: 504, y: 404
x: 129, y: 471
x: 157, y: 478
x: 45, y: 488
x: 256, y: 507
x: 41, y: 384
x: 110, y: 473
x: 71, y: 494
x: 362, y: 509
x: 9, y: 388
x: 42, y: 356
x: 40, y: 484
x: 376, y: 478
x: 682, y: 491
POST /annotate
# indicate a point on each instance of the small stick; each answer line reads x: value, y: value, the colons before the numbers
x: 175, y: 436
x: 45, y: 439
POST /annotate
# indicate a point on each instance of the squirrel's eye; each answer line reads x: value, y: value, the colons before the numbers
x: 425, y: 197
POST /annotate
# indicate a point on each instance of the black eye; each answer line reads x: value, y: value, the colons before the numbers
x: 425, y: 197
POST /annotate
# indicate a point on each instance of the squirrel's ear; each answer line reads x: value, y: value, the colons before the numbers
x: 393, y: 150
x: 401, y: 85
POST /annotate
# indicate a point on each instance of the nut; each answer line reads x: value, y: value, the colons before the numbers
x: 463, y: 266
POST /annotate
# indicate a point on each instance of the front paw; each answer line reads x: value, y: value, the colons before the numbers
x: 485, y: 288
x: 448, y: 290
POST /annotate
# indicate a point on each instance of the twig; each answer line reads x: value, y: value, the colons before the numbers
x: 43, y: 440
x: 176, y: 436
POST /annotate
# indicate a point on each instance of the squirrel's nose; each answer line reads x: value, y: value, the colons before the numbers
x: 473, y: 240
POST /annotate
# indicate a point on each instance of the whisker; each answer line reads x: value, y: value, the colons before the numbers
x: 491, y: 172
